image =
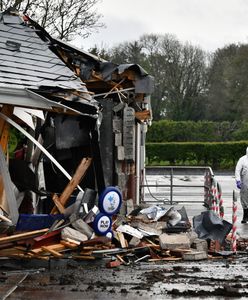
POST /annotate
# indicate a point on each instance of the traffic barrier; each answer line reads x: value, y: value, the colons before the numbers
x: 221, y: 202
x: 234, y: 222
x: 217, y: 203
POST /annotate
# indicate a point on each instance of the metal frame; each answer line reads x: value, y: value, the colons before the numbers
x: 162, y: 170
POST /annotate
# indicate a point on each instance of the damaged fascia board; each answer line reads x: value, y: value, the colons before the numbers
x: 30, y: 99
x: 66, y: 107
x: 25, y: 98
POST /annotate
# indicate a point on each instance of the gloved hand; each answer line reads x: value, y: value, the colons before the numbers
x: 238, y: 184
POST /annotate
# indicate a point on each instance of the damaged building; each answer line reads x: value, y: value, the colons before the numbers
x: 70, y: 122
x: 72, y: 135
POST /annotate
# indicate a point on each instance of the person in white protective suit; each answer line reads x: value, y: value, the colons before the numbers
x: 241, y: 177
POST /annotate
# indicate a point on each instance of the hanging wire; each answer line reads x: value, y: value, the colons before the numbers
x: 152, y: 195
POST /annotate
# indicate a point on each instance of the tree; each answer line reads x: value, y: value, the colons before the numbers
x: 63, y: 19
x: 179, y: 71
x: 180, y: 77
x: 228, y: 87
x: 127, y: 52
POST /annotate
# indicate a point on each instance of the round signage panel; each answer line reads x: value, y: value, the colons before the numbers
x: 110, y: 200
x: 102, y: 224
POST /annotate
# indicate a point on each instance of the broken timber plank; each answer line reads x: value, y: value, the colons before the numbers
x: 4, y: 126
x: 164, y: 259
x: 45, y: 239
x: 69, y: 244
x: 55, y: 247
x: 77, y: 177
x: 84, y: 257
x: 59, y: 206
x: 21, y: 236
x: 122, y: 240
x: 53, y: 252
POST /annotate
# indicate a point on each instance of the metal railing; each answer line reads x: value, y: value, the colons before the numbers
x: 172, y: 171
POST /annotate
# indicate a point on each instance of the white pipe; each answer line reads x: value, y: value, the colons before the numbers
x: 138, y: 148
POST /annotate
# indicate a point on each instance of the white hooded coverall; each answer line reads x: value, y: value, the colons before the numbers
x: 241, y: 174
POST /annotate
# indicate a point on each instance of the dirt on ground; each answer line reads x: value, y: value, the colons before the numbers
x: 217, y: 278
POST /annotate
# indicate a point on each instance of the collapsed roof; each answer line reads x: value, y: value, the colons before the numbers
x: 28, y: 67
x: 41, y: 72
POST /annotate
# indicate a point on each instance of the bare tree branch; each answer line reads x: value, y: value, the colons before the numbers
x: 62, y: 18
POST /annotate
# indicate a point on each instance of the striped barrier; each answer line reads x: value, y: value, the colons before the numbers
x: 216, y: 199
x: 221, y: 202
x: 234, y: 222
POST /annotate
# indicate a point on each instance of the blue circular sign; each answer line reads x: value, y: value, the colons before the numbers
x: 102, y: 224
x: 110, y: 200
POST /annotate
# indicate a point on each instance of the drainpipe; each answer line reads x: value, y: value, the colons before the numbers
x: 138, y: 148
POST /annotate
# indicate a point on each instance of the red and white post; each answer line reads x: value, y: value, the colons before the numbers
x: 221, y: 202
x: 234, y: 222
x: 214, y: 197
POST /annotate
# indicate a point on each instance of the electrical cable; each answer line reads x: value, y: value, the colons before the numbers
x: 152, y: 195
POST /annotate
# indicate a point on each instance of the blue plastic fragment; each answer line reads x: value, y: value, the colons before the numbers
x: 28, y: 222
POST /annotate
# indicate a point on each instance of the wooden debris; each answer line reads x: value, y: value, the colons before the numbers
x: 45, y: 239
x: 58, y: 204
x: 69, y: 245
x: 165, y: 259
x: 121, y: 239
x: 52, y: 251
x: 84, y: 257
x: 22, y: 236
x: 55, y: 247
x: 78, y: 176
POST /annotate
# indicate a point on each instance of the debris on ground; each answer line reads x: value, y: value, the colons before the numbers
x: 145, y: 235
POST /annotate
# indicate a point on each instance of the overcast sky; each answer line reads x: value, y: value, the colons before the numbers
x: 209, y: 24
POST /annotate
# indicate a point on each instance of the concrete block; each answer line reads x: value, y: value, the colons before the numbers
x: 134, y: 242
x: 120, y: 153
x: 70, y: 233
x: 192, y: 236
x: 200, y: 245
x: 174, y: 241
x: 130, y: 206
x: 83, y: 227
x: 195, y: 255
x: 117, y: 124
x: 118, y: 139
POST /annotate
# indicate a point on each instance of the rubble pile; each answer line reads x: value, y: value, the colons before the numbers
x: 150, y: 234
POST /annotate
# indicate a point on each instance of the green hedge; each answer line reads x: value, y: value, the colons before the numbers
x: 216, y: 155
x: 202, y: 131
